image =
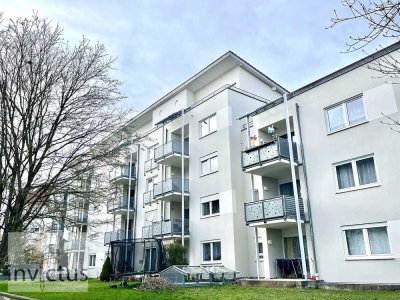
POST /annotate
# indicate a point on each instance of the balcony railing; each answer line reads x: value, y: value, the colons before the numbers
x: 267, y: 152
x: 80, y: 218
x: 172, y: 147
x: 120, y: 204
x: 148, y: 198
x: 171, y: 185
x: 150, y: 165
x: 123, y: 173
x: 118, y: 235
x: 165, y: 228
x: 55, y: 227
x: 282, y: 207
x: 74, y: 245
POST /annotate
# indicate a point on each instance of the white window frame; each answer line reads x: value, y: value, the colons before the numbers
x: 209, y: 200
x: 357, y: 185
x: 367, y: 245
x: 343, y: 104
x: 207, y: 120
x: 208, y: 158
x: 90, y: 260
x: 212, y: 260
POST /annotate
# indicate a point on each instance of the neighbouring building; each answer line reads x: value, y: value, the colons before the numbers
x: 213, y: 163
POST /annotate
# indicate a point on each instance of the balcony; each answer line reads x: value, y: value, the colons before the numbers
x: 171, y: 153
x: 80, y: 218
x: 166, y: 229
x: 121, y: 175
x: 148, y: 198
x: 120, y: 205
x: 270, y: 159
x: 118, y: 235
x: 150, y: 166
x: 171, y: 189
x: 75, y: 245
x: 55, y: 227
x: 278, y: 212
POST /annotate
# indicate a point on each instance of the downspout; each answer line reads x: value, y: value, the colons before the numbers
x: 296, y: 195
x: 252, y: 200
x: 303, y: 159
x: 183, y: 177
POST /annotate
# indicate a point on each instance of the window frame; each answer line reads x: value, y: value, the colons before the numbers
x: 357, y: 185
x: 367, y: 244
x: 343, y: 105
x: 212, y: 260
x: 208, y: 125
x: 208, y: 200
x: 207, y: 159
x: 90, y: 261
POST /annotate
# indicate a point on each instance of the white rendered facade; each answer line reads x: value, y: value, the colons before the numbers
x: 219, y: 226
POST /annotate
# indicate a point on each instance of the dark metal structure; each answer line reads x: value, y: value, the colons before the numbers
x: 136, y: 257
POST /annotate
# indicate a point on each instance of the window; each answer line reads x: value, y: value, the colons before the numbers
x: 260, y: 250
x: 211, y: 251
x: 210, y: 208
x: 209, y: 165
x: 92, y: 260
x: 346, y: 114
x: 208, y: 125
x: 356, y: 173
x: 367, y: 242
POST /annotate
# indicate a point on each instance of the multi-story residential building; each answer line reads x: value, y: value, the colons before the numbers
x: 213, y: 163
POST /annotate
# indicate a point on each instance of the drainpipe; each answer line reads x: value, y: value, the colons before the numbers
x: 252, y: 200
x: 303, y: 159
x: 183, y: 176
x: 296, y: 195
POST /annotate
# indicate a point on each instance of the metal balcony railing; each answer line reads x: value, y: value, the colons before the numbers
x: 165, y: 228
x: 169, y: 148
x: 150, y: 165
x: 171, y: 185
x: 148, y: 198
x: 118, y: 235
x: 55, y: 227
x: 123, y: 172
x: 267, y: 152
x: 74, y: 245
x: 120, y: 203
x: 79, y: 218
x: 282, y: 207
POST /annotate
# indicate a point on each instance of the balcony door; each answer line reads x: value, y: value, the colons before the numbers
x: 150, y: 259
x: 287, y: 189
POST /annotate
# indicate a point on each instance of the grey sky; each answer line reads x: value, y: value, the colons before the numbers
x: 159, y: 44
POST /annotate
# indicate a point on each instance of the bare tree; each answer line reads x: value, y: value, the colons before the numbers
x: 57, y: 104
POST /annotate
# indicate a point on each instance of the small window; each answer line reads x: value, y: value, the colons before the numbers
x: 371, y: 241
x: 208, y: 125
x: 92, y: 260
x: 211, y: 251
x: 346, y: 114
x: 210, y: 208
x: 356, y: 173
x: 209, y: 165
x: 260, y: 250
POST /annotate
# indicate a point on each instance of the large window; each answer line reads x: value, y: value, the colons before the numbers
x: 356, y: 173
x: 346, y: 114
x: 211, y: 251
x: 92, y: 260
x: 208, y: 125
x: 367, y: 242
x: 209, y: 164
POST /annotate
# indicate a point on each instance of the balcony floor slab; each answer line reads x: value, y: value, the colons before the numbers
x: 277, y: 168
x: 276, y: 224
x: 173, y: 160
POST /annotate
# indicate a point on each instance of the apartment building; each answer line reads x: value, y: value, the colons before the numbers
x: 344, y: 164
x: 213, y: 163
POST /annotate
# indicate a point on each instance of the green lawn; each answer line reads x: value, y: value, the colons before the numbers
x: 101, y: 291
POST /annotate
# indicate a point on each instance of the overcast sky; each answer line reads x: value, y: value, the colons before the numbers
x: 160, y: 44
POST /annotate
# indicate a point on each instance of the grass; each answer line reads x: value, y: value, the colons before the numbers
x: 101, y: 291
